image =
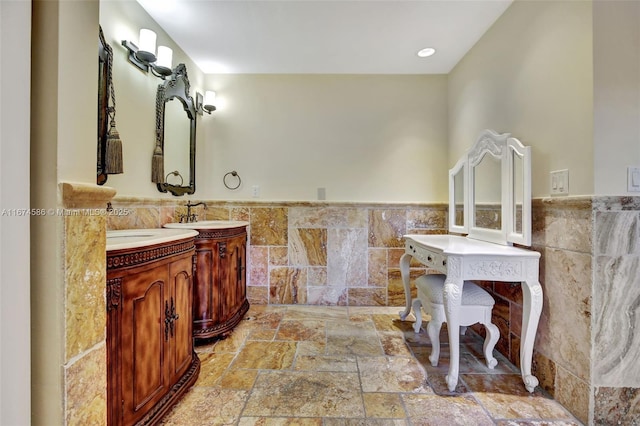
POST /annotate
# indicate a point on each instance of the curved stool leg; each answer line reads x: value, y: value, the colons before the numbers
x: 433, y: 330
x: 493, y: 334
x: 416, y: 304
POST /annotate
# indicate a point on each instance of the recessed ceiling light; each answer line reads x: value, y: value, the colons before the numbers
x: 427, y: 51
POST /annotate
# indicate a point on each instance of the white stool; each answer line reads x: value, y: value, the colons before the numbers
x: 476, y: 307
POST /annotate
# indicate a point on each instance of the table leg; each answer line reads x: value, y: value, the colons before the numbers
x: 452, y: 301
x: 405, y: 261
x: 532, y: 308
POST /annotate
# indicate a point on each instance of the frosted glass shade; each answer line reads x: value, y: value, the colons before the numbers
x: 209, y: 98
x: 147, y: 45
x: 165, y: 55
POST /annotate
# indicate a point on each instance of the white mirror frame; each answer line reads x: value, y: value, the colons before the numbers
x: 463, y: 165
x: 500, y: 146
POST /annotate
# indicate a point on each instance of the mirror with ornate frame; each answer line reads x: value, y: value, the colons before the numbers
x: 494, y: 178
x: 175, y: 149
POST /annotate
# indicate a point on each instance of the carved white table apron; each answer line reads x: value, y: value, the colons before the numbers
x: 462, y: 258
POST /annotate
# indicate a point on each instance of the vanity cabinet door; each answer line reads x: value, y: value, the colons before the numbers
x: 232, y: 278
x: 144, y: 342
x: 220, y: 294
x: 180, y: 309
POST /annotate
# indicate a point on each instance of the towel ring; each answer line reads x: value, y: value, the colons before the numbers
x: 175, y: 173
x: 234, y: 174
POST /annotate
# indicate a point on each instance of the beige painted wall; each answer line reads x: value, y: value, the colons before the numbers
x: 355, y: 135
x: 616, y: 46
x: 531, y: 75
x: 135, y: 93
x: 15, y: 69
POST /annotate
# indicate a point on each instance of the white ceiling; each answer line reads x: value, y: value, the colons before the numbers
x: 324, y: 36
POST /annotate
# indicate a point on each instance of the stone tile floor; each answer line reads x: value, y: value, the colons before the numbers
x: 309, y: 365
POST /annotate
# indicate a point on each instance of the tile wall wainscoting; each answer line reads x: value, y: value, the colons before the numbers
x: 312, y: 253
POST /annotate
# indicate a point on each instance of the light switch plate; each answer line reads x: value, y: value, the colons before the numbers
x: 560, y: 182
x: 633, y: 179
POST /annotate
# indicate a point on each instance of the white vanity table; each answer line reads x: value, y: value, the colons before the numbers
x: 490, y: 200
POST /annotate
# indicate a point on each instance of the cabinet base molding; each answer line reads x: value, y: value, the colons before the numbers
x: 174, y: 395
x: 205, y: 334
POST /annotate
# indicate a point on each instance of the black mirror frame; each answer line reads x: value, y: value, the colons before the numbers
x: 177, y: 86
x: 103, y: 104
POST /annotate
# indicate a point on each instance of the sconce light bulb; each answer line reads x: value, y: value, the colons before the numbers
x: 209, y: 99
x: 147, y: 46
x: 165, y: 55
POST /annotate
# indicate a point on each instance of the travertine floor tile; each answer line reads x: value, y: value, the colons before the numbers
x: 305, y: 394
x: 352, y: 366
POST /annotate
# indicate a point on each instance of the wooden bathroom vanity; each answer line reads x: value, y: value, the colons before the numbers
x: 150, y: 358
x: 220, y: 291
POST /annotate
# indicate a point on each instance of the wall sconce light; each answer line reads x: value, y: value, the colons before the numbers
x: 144, y: 57
x: 208, y: 104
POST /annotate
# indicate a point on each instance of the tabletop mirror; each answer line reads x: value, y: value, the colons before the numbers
x: 490, y: 191
x: 173, y: 164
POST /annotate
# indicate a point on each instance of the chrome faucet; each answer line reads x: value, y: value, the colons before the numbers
x: 191, y: 217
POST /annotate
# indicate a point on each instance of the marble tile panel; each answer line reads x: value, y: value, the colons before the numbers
x: 288, y: 285
x: 386, y: 227
x: 138, y: 218
x: 429, y: 218
x: 258, y: 295
x: 317, y: 276
x: 86, y: 389
x: 259, y: 334
x: 345, y: 326
x: 573, y: 393
x: 377, y: 267
x: 326, y: 363
x: 616, y: 406
x: 383, y: 405
x: 240, y: 213
x: 308, y: 246
x: 85, y: 278
x: 305, y: 394
x: 266, y: 356
x: 213, y: 213
x: 502, y: 396
x: 299, y: 330
x: 394, y: 255
x: 432, y: 410
x: 278, y: 256
x: 564, y: 332
x: 367, y: 296
x: 616, y: 321
x: 395, y: 289
x: 258, y: 265
x: 269, y: 226
x: 212, y: 367
x: 328, y: 217
x: 617, y: 233
x: 211, y: 406
x: 620, y: 203
x: 392, y: 374
x: 346, y: 252
x: 509, y: 291
x: 327, y: 296
x: 280, y: 421
x: 564, y: 229
x: 545, y: 370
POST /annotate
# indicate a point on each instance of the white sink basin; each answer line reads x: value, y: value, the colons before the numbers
x: 136, y: 238
x: 208, y: 224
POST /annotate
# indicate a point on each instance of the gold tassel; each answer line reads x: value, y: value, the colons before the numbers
x: 113, y: 161
x: 157, y: 166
